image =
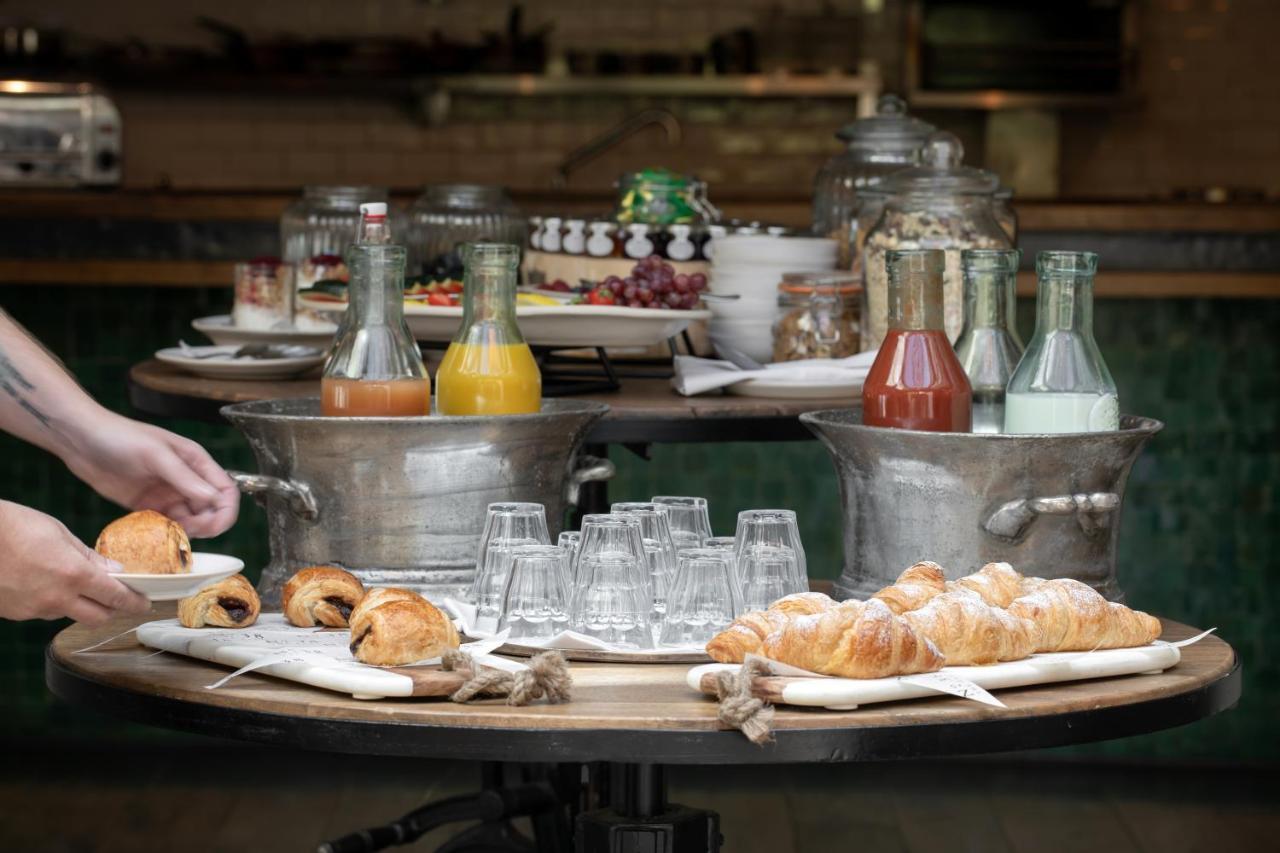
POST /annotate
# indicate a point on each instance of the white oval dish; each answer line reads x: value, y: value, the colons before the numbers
x: 206, y: 569
x: 237, y: 368
x: 223, y: 332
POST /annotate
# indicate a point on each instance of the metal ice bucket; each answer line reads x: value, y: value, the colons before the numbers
x: 402, y: 500
x: 1048, y: 504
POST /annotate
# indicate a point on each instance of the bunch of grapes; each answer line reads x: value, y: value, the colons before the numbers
x: 654, y: 283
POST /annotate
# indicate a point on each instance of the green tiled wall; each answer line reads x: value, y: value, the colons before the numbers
x: 1201, y: 523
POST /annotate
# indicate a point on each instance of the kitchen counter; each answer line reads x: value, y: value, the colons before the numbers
x: 190, y: 239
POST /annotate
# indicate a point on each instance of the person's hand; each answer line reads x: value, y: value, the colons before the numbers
x: 46, y: 573
x: 140, y: 466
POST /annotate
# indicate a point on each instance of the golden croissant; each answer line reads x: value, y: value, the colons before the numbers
x: 997, y: 583
x: 858, y: 639
x: 914, y: 587
x: 968, y: 630
x: 392, y: 627
x: 146, y: 542
x: 746, y: 634
x: 230, y: 603
x: 321, y: 595
x: 1072, y: 616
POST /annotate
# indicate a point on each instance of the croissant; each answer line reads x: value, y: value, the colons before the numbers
x: 321, y: 595
x: 968, y: 630
x: 146, y: 542
x: 914, y: 587
x: 1072, y: 616
x: 858, y: 639
x: 745, y: 635
x: 399, y: 627
x: 230, y: 603
x: 997, y: 583
x: 804, y: 603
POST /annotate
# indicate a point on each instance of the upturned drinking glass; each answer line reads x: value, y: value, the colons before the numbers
x: 774, y: 529
x: 726, y: 543
x: 659, y: 548
x: 611, y: 599
x: 703, y: 600
x: 507, y: 522
x: 766, y: 573
x: 569, y: 540
x: 688, y: 518
x: 535, y: 597
x: 491, y: 579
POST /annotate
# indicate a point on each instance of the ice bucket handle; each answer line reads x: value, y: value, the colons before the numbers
x: 1093, y: 511
x: 301, y: 502
x: 587, y: 469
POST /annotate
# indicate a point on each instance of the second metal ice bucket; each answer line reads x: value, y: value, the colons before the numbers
x: 402, y: 500
x: 1048, y: 504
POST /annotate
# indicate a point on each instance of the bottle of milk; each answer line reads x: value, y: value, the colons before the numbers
x: 1062, y: 384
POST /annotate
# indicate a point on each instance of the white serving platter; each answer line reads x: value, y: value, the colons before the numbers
x: 223, y: 332
x: 799, y: 389
x: 552, y: 325
x: 223, y: 364
x: 205, y: 569
x: 843, y: 694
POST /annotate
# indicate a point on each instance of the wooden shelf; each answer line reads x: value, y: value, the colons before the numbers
x: 672, y: 85
x: 1005, y: 99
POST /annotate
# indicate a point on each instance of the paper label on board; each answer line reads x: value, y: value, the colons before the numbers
x: 952, y: 685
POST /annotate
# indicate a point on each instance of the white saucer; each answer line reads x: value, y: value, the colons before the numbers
x: 226, y: 367
x: 848, y: 390
x: 220, y: 330
x: 206, y: 569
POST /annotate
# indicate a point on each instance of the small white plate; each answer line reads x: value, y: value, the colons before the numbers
x: 849, y: 390
x: 224, y: 366
x: 220, y: 330
x: 206, y: 569
x: 553, y: 325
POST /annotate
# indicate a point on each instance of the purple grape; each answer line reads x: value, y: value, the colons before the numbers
x: 644, y: 294
x: 698, y: 282
x: 630, y: 291
x: 681, y: 284
x: 634, y: 303
x: 654, y: 260
x: 673, y: 299
x: 691, y: 301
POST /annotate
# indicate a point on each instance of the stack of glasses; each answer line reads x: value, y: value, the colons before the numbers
x: 645, y: 574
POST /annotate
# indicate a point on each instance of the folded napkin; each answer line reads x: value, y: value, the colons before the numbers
x: 700, y: 375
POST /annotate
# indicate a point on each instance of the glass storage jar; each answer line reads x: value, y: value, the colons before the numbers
x: 939, y: 204
x: 819, y: 316
x: 447, y: 216
x: 875, y: 146
x: 323, y: 221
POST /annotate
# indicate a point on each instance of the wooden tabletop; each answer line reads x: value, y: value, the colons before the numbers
x: 642, y: 411
x: 626, y: 712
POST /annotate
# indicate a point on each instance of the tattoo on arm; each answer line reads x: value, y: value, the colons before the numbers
x: 17, y: 387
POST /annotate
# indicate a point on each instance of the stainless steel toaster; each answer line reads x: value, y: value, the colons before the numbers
x: 58, y: 134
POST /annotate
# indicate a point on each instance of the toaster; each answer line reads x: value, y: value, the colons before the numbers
x: 58, y: 135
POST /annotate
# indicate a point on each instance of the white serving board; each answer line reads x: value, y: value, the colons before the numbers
x: 309, y: 656
x: 849, y: 693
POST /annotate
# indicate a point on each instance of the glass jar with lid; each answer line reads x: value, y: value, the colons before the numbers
x: 819, y: 316
x: 323, y: 221
x: 875, y: 146
x: 661, y: 197
x: 447, y: 216
x: 938, y: 204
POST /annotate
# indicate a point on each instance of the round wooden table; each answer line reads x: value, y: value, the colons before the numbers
x: 636, y: 716
x: 643, y: 411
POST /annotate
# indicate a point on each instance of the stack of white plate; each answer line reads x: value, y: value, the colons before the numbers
x: 751, y: 267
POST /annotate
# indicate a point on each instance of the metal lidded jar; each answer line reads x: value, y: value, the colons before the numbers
x: 447, y: 216
x: 875, y: 146
x: 938, y: 204
x: 323, y: 221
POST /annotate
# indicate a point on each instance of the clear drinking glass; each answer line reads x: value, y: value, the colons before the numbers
x: 535, y: 597
x: 703, y: 600
x: 659, y: 547
x: 774, y: 531
x: 724, y: 543
x: 688, y: 518
x: 989, y: 346
x: 612, y: 600
x: 766, y: 573
x: 569, y: 540
x: 505, y: 524
x: 1062, y: 383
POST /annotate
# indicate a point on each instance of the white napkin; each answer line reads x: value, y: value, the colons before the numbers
x: 700, y: 375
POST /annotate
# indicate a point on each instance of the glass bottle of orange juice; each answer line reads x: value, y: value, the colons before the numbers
x: 375, y: 369
x: 488, y: 368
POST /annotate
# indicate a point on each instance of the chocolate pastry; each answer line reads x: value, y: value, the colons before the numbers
x: 230, y: 603
x: 392, y: 627
x: 321, y: 595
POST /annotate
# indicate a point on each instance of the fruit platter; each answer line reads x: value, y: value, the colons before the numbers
x: 644, y: 308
